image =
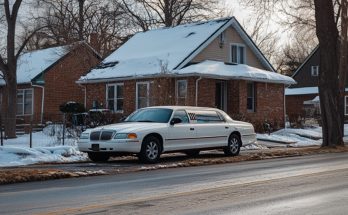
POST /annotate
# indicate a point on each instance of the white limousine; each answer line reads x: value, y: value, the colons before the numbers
x: 149, y: 132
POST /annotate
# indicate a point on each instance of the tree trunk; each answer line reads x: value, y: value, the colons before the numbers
x: 11, y: 108
x: 343, y: 61
x: 328, y: 76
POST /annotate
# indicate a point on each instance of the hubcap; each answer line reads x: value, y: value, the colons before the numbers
x: 152, y: 150
x: 234, y: 145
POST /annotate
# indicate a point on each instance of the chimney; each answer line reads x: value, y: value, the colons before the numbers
x: 93, y: 41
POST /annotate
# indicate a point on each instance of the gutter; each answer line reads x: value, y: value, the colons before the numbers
x: 200, y: 78
x: 104, y: 80
x: 42, y: 99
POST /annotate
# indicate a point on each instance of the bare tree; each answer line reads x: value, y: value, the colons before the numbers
x: 293, y: 54
x: 329, y: 16
x: 8, y: 66
x: 265, y: 37
x: 146, y: 14
x: 75, y: 20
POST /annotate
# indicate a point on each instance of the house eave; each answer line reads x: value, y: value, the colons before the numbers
x: 177, y: 75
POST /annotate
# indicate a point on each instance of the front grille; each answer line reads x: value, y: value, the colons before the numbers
x: 106, y: 135
x: 95, y: 135
x: 101, y: 135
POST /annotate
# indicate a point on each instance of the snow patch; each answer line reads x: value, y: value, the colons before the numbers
x: 16, y: 156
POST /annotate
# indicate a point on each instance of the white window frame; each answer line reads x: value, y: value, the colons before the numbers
x: 23, y: 102
x: 253, y: 97
x: 115, y: 96
x: 177, y: 88
x: 345, y: 105
x: 315, y: 70
x: 238, y: 45
x: 148, y: 93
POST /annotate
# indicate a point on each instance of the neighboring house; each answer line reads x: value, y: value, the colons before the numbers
x: 305, y: 93
x: 46, y: 79
x: 213, y: 64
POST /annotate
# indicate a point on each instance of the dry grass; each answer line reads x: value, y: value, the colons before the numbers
x: 16, y: 175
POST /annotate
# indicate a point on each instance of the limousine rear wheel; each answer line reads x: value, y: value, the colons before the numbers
x: 150, y: 150
x: 233, y: 146
x: 192, y: 152
x: 98, y: 156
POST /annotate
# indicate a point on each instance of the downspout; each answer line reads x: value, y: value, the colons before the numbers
x: 200, y: 78
x: 284, y: 107
x: 42, y: 99
x: 85, y: 96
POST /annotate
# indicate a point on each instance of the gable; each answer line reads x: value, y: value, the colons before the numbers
x: 303, y: 74
x: 169, y: 49
x: 214, y: 51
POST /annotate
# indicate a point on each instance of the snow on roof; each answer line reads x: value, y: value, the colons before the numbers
x: 146, y: 52
x: 301, y: 91
x: 31, y: 64
x: 235, y: 71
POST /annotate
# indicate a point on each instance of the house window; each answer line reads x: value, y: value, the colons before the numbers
x: 315, y: 70
x: 346, y: 105
x: 221, y: 39
x: 251, y: 97
x: 115, y: 97
x: 24, y: 102
x: 181, y: 91
x: 238, y: 53
x: 142, y: 94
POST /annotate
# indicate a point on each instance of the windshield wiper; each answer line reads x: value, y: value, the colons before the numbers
x: 145, y: 121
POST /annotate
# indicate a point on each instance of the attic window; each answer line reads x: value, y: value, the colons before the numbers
x: 229, y: 63
x: 106, y: 65
x: 190, y: 34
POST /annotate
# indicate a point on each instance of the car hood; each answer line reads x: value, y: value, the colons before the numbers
x: 126, y: 127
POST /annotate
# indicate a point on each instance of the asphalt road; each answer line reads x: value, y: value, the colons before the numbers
x: 299, y: 185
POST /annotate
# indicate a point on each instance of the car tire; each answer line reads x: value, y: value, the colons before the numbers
x: 150, y: 150
x: 233, y: 146
x: 98, y: 157
x: 192, y: 153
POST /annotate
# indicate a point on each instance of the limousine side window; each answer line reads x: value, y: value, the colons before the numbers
x: 208, y: 117
x: 181, y: 114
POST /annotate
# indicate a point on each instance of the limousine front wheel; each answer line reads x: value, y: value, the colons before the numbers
x: 150, y: 150
x: 98, y: 156
x: 233, y: 146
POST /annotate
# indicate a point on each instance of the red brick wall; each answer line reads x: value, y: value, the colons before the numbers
x: 269, y: 103
x: 60, y: 80
x: 295, y: 107
x: 269, y: 98
x: 36, y: 114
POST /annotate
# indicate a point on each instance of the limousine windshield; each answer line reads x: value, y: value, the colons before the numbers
x: 160, y: 115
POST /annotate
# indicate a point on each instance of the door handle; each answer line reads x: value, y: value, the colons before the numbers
x: 226, y: 127
x: 192, y: 129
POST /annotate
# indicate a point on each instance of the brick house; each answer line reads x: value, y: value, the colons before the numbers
x: 305, y: 93
x: 213, y: 64
x: 46, y: 79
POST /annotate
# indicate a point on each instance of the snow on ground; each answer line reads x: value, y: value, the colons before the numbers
x: 19, y: 156
x: 46, y: 147
x: 298, y: 137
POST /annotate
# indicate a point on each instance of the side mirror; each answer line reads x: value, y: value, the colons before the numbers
x: 123, y: 118
x: 175, y: 121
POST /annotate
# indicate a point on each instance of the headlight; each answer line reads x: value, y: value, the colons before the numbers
x: 126, y: 136
x: 84, y: 136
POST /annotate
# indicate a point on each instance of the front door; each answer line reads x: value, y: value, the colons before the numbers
x: 221, y: 95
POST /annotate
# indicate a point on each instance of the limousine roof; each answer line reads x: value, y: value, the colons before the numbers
x: 184, y: 107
